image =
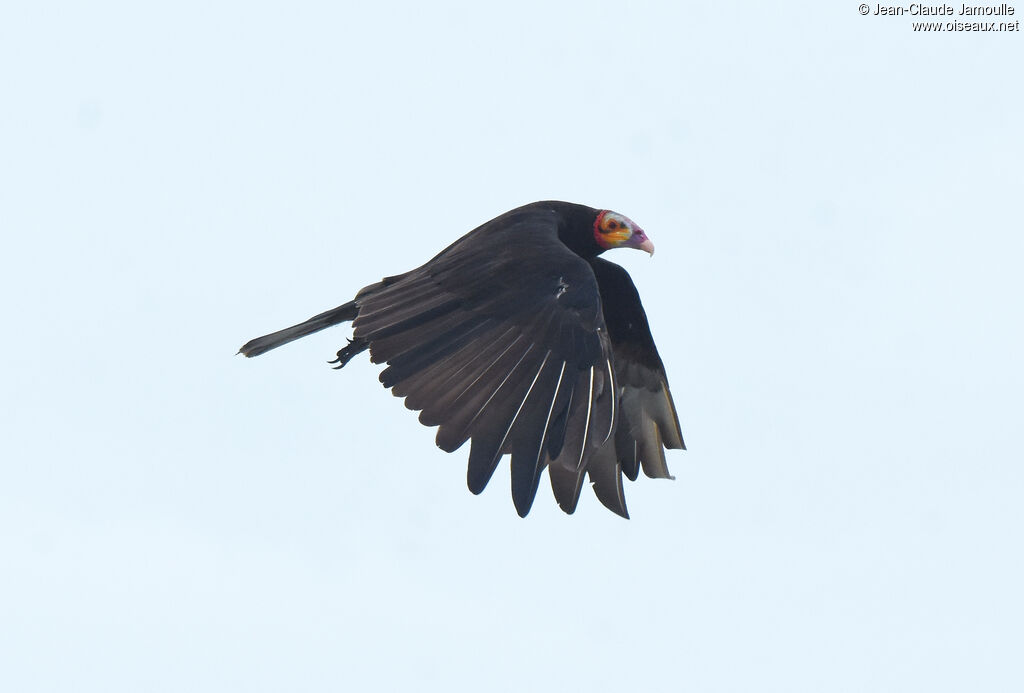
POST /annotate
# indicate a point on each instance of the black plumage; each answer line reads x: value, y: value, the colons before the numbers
x: 519, y: 338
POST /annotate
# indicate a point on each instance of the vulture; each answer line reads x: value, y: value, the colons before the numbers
x: 521, y: 339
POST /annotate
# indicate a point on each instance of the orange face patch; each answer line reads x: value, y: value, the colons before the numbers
x: 612, y: 230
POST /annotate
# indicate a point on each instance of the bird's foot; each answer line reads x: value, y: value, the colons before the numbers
x: 345, y: 355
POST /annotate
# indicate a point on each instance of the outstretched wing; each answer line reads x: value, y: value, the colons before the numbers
x: 648, y: 423
x: 500, y: 339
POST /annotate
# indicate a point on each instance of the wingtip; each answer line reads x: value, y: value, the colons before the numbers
x: 523, y: 497
x: 616, y: 505
x: 606, y: 481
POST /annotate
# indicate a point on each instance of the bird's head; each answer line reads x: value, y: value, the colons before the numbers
x: 612, y: 230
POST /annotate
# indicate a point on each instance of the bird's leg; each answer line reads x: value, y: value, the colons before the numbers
x: 345, y: 355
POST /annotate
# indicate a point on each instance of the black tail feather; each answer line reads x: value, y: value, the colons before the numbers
x: 263, y: 344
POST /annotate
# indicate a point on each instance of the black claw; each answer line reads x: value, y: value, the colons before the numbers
x: 345, y: 355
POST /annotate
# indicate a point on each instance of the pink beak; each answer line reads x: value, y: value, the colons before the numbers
x: 640, y: 241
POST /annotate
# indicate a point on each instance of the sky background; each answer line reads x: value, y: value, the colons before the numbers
x: 836, y: 203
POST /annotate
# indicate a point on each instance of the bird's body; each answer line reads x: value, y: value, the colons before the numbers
x: 521, y: 339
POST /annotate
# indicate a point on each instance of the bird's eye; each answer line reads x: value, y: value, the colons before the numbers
x: 612, y: 224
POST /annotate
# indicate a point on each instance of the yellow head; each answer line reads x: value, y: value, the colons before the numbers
x: 613, y: 230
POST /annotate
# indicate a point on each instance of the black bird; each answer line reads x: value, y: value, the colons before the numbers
x: 520, y: 338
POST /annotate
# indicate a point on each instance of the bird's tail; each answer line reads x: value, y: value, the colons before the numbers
x: 263, y: 344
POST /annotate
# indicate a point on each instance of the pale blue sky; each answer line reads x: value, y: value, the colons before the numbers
x: 836, y: 203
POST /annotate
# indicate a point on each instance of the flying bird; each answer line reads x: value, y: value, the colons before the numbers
x: 519, y: 338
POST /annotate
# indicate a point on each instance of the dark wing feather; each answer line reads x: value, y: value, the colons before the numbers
x: 568, y: 469
x: 499, y: 339
x: 647, y: 419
